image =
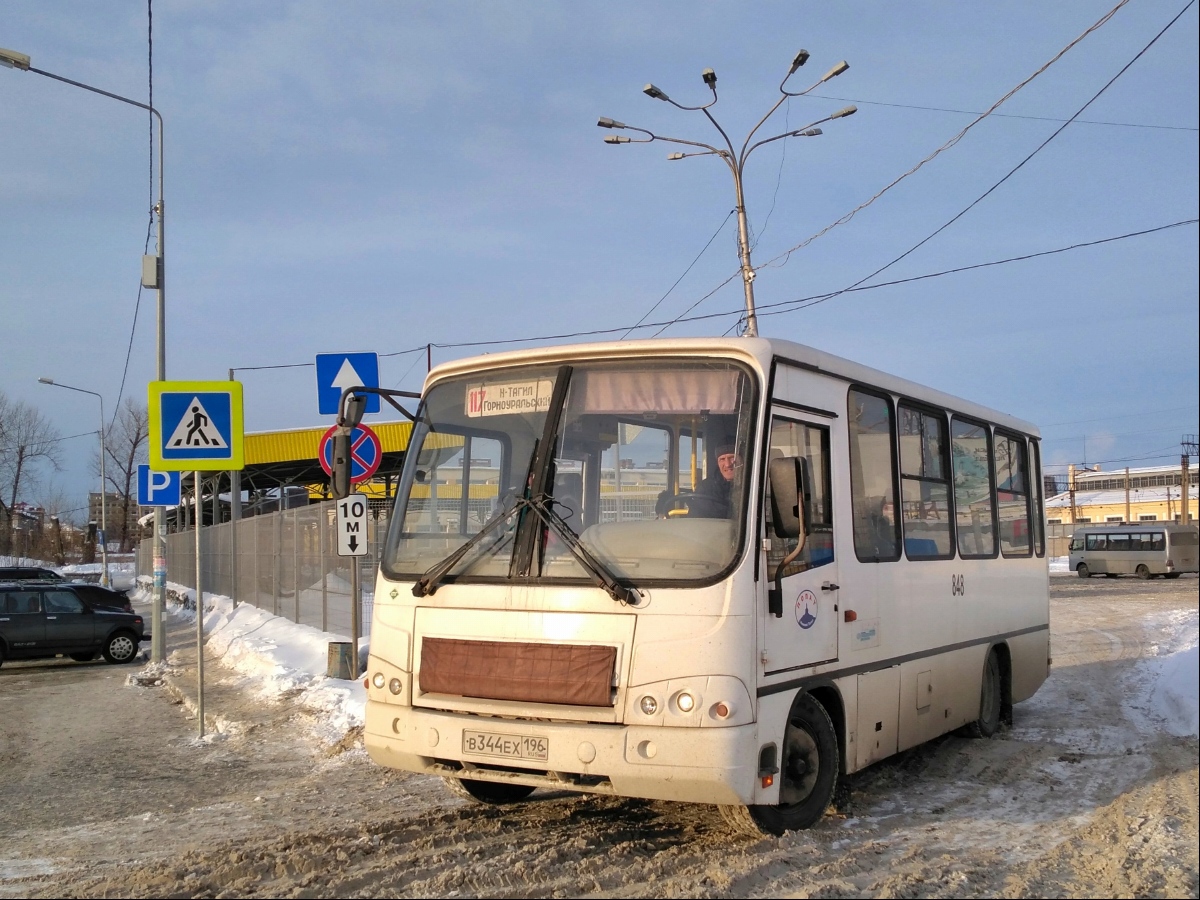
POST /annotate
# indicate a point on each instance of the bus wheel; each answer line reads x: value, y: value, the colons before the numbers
x: 1083, y: 571
x: 488, y: 791
x: 1144, y: 573
x: 808, y: 772
x: 1171, y: 575
x: 990, y: 701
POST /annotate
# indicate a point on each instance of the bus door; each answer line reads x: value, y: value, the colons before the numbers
x: 807, y: 632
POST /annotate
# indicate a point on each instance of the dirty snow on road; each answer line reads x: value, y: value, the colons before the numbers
x: 1093, y: 792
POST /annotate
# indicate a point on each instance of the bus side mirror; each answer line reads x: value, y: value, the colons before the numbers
x: 356, y: 405
x: 789, y: 491
x: 789, y: 514
x: 339, y: 479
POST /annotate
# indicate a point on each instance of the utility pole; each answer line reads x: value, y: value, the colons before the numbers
x: 1127, y: 493
x: 1190, y: 449
x: 735, y: 159
x: 1071, y: 489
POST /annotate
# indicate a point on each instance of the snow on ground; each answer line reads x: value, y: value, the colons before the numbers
x: 277, y: 658
x: 1060, y: 565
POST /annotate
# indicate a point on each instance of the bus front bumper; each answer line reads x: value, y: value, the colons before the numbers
x: 700, y: 765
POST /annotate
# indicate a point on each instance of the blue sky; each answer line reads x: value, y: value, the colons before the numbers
x: 382, y: 175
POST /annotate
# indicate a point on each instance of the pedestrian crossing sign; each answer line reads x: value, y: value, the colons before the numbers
x: 195, y: 426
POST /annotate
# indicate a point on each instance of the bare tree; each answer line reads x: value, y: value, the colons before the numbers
x: 126, y: 442
x: 28, y: 441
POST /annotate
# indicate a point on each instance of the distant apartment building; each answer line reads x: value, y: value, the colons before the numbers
x: 117, y: 508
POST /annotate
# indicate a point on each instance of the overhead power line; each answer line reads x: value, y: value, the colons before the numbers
x: 805, y: 302
x: 720, y: 228
x: 1136, y: 415
x: 599, y: 332
x: 1000, y: 115
x: 1018, y: 166
x: 786, y: 255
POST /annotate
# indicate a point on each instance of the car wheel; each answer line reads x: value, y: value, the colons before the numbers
x: 122, y: 647
x: 83, y: 657
x: 1083, y: 571
x: 490, y: 792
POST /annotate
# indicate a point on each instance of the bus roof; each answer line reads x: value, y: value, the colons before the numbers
x: 757, y: 351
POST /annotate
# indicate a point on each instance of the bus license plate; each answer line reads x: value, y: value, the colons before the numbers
x: 509, y: 746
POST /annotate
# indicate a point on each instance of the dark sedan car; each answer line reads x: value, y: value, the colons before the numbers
x: 49, y: 619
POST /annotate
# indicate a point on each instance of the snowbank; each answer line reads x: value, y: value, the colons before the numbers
x: 283, y: 659
x: 1176, y: 695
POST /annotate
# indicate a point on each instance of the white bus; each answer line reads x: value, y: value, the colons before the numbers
x: 574, y: 596
x: 1144, y: 549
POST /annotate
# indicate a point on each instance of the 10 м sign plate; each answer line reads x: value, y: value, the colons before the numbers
x: 352, y: 526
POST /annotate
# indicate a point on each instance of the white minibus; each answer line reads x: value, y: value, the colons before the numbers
x: 1144, y: 549
x: 721, y: 571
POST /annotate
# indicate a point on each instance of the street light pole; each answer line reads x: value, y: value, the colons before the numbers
x: 11, y: 59
x: 736, y: 160
x: 104, y: 578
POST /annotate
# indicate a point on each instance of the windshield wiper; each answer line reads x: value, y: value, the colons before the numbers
x: 600, y: 573
x: 428, y: 583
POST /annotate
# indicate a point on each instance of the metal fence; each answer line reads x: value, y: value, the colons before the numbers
x: 284, y: 562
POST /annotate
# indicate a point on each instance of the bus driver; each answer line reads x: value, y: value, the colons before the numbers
x: 714, y: 496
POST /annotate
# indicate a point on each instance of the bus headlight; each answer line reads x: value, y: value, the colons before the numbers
x: 395, y: 685
x: 378, y: 680
x: 648, y: 705
x: 685, y: 701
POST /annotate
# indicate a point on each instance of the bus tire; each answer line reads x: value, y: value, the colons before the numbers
x: 991, y: 700
x: 1171, y: 575
x: 809, y: 768
x: 1083, y: 571
x: 490, y: 792
x: 1143, y: 572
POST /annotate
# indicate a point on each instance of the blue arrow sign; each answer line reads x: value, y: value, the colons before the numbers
x: 338, y: 371
x: 157, y: 488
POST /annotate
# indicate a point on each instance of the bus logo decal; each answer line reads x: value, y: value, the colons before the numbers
x: 806, y: 609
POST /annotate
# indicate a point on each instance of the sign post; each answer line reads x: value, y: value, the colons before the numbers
x: 196, y: 426
x: 352, y: 542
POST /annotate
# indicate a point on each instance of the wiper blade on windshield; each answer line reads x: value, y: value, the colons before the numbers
x: 600, y: 573
x: 428, y: 583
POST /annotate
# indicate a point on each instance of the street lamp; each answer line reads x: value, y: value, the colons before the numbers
x: 155, y: 279
x: 736, y: 160
x: 104, y: 579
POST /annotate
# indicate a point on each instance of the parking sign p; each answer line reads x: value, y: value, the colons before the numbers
x: 157, y: 488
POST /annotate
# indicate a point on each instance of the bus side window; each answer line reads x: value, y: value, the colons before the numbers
x: 873, y: 477
x: 1096, y: 541
x: 924, y: 484
x: 971, y: 451
x: 1039, y: 506
x: 1012, y: 494
x: 1158, y: 540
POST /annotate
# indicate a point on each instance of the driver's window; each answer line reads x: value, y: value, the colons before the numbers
x: 810, y: 442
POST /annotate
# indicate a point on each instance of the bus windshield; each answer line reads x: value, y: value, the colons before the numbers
x: 647, y: 472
